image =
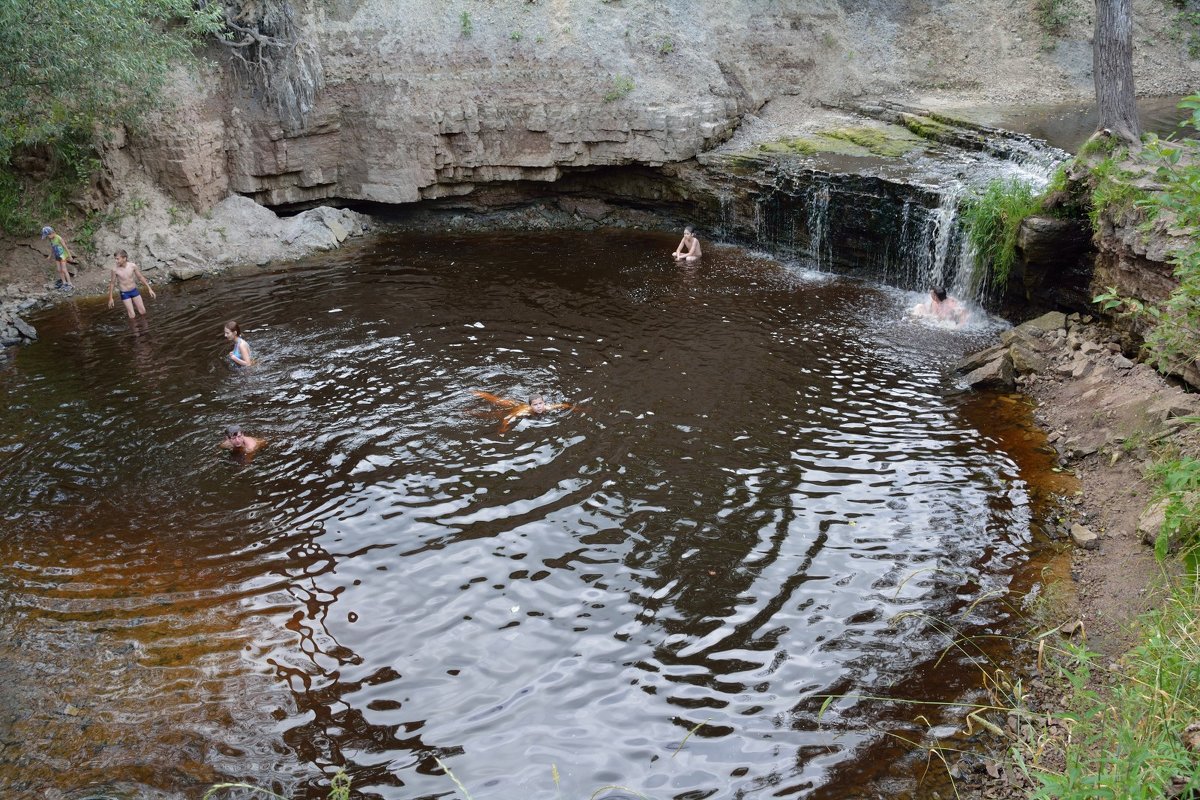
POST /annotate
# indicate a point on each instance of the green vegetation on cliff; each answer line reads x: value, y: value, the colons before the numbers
x: 1158, y: 190
x: 70, y: 65
x: 72, y: 68
x: 1132, y: 731
x: 993, y: 219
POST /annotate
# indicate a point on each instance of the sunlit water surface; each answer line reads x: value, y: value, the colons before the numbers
x: 769, y: 491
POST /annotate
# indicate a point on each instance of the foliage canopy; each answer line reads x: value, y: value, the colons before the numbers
x: 70, y: 63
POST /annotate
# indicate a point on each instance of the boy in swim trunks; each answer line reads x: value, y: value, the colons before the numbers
x: 126, y: 275
x: 61, y: 255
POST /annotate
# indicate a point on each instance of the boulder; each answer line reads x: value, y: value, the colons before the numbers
x: 1050, y: 321
x: 25, y: 329
x: 1050, y: 240
x: 184, y: 271
x: 1025, y: 360
x: 977, y: 360
x: 309, y: 230
x: 996, y: 374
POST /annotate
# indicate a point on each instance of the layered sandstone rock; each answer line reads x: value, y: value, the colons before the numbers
x: 425, y: 99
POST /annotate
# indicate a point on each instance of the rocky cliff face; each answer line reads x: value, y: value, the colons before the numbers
x: 424, y: 99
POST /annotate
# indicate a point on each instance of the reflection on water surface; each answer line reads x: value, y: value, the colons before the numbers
x: 768, y: 488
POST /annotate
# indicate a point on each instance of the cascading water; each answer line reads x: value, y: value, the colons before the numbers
x: 819, y: 245
x: 898, y: 221
x: 725, y: 214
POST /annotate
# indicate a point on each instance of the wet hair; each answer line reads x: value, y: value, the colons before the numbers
x: 121, y: 253
x: 233, y: 326
x: 688, y: 229
x: 232, y: 431
x: 939, y: 293
x: 537, y: 398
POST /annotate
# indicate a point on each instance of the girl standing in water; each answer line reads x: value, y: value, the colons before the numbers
x: 240, y: 354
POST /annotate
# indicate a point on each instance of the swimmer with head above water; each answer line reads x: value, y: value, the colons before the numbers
x: 240, y: 354
x: 943, y: 307
x: 513, y: 410
x: 238, y: 442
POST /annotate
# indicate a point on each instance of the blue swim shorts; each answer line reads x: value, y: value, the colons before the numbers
x: 132, y: 293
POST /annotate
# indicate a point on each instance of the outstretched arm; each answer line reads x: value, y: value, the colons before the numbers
x: 513, y: 416
x: 501, y: 402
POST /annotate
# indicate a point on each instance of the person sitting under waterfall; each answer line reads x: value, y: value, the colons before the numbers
x: 942, y: 307
x: 512, y: 410
x: 689, y: 247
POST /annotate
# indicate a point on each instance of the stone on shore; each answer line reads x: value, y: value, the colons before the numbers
x: 1084, y: 538
x: 996, y: 374
x: 1150, y: 524
x: 25, y: 329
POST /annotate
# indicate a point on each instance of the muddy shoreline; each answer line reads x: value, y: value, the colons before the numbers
x: 1106, y: 417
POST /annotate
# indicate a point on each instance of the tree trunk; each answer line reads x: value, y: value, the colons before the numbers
x: 1112, y: 69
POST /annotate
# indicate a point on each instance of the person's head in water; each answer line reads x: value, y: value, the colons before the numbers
x: 940, y: 293
x: 232, y: 330
x: 234, y: 435
x: 537, y: 403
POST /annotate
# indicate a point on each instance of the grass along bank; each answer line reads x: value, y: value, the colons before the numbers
x: 1129, y: 727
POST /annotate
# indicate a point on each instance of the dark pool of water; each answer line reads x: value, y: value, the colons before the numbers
x: 768, y: 493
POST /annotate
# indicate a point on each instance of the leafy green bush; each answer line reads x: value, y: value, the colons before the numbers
x: 1176, y: 338
x: 1179, y: 485
x: 992, y: 220
x: 71, y: 67
x: 71, y: 64
x: 1053, y: 16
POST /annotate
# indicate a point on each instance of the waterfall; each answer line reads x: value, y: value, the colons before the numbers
x: 820, y: 248
x: 725, y: 211
x: 929, y: 241
x: 891, y: 219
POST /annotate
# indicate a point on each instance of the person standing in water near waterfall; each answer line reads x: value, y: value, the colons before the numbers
x: 689, y: 247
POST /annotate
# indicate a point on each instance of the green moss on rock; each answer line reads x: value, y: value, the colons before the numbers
x: 927, y: 127
x: 888, y: 142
